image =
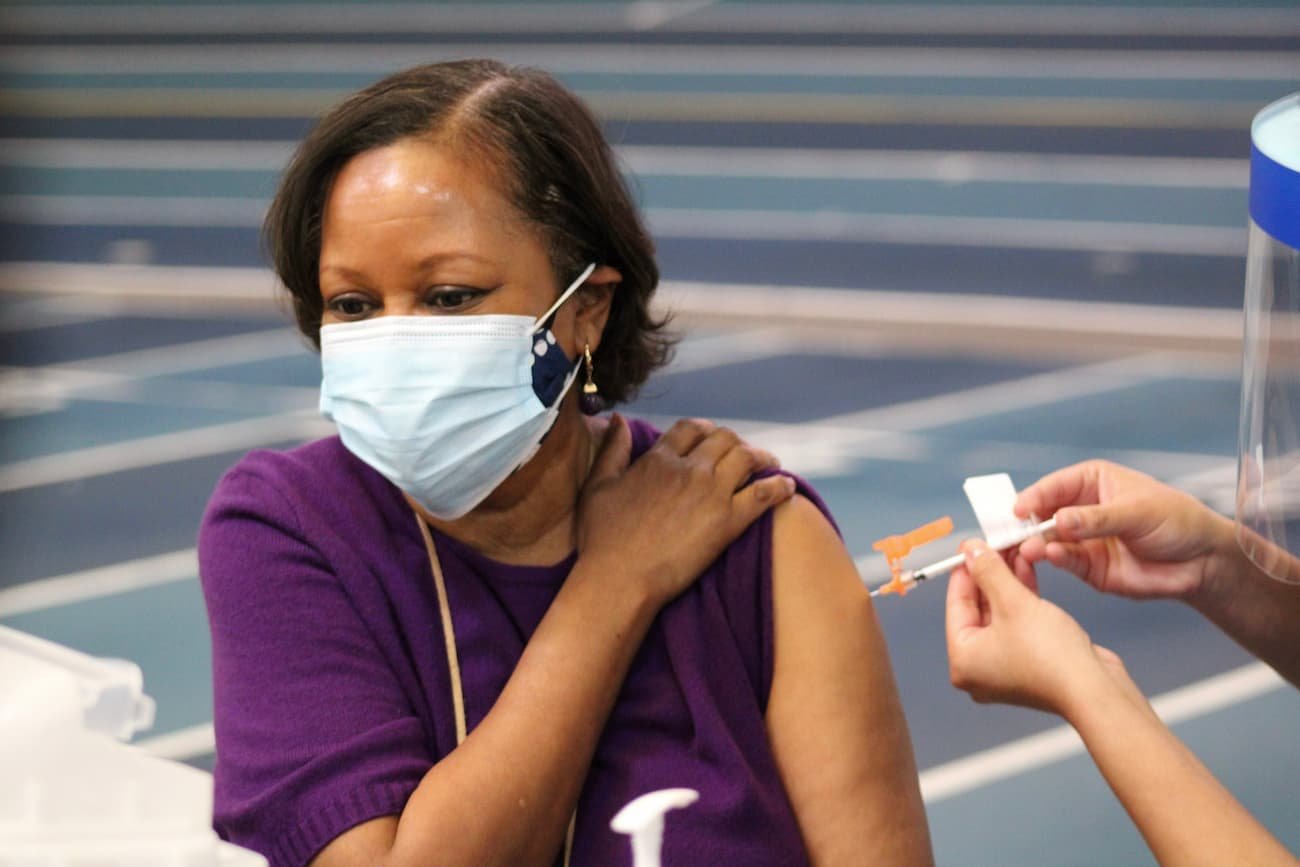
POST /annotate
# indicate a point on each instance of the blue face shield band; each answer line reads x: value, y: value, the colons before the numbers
x: 446, y: 407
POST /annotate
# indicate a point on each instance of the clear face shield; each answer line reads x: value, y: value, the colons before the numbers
x: 1268, y: 469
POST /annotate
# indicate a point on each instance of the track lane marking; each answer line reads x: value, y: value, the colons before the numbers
x: 649, y: 105
x: 949, y: 18
x: 160, y: 449
x: 1012, y: 233
x: 629, y: 57
x: 984, y: 768
x: 952, y: 167
x: 88, y: 584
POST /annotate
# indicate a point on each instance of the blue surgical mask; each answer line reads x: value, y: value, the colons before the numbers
x: 445, y: 407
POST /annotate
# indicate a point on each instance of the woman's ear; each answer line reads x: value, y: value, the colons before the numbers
x: 595, y: 298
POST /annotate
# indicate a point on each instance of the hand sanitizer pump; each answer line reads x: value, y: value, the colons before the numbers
x: 643, y: 820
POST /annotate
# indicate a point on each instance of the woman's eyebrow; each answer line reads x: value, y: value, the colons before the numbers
x: 342, y: 270
x: 423, y: 264
x: 451, y: 256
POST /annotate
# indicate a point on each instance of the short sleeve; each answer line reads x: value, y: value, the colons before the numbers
x: 314, y: 733
x: 745, y: 588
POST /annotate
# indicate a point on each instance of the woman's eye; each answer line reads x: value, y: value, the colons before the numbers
x: 350, y: 306
x: 454, y: 298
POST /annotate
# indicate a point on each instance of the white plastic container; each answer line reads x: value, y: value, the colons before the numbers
x: 71, y: 793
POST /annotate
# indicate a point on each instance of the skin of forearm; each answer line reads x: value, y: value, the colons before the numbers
x: 505, y: 795
x: 1185, y: 815
x: 1260, y: 613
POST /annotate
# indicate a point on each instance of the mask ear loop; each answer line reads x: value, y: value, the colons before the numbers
x: 564, y: 296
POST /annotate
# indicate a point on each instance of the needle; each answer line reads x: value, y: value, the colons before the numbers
x: 943, y: 567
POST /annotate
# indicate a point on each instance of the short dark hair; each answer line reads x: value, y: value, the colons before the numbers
x: 558, y: 171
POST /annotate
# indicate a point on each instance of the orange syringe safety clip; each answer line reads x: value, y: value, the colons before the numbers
x: 895, y: 548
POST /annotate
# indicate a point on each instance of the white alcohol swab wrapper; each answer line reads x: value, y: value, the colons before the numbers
x: 994, y: 498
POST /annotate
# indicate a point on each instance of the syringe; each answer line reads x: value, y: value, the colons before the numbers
x: 943, y: 567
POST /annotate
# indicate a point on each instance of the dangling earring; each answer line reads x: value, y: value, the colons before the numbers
x: 590, y: 402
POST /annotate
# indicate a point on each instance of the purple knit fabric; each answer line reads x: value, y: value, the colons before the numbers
x: 333, y: 696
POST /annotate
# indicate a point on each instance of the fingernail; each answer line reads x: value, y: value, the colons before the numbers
x: 974, y: 550
x: 1067, y: 519
x: 788, y: 483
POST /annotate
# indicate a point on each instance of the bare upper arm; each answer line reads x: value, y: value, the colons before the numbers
x: 834, y: 717
x: 364, y: 845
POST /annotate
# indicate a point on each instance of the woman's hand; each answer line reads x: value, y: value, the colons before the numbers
x: 1008, y: 645
x: 1124, y: 532
x: 662, y: 520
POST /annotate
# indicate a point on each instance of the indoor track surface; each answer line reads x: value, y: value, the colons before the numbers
x: 909, y: 243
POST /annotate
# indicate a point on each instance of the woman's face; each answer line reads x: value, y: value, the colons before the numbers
x: 411, y: 230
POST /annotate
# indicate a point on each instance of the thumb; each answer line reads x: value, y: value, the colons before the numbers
x: 1091, y: 522
x: 615, y: 451
x: 1108, y: 655
x: 758, y: 496
x: 992, y: 575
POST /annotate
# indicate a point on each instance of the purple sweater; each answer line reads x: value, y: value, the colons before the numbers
x: 333, y: 697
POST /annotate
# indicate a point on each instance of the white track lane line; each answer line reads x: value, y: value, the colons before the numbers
x: 628, y: 58
x: 1058, y: 744
x: 950, y: 167
x: 1161, y: 464
x: 17, y: 321
x: 999, y: 397
x: 1015, y: 233
x: 181, y: 284
x: 203, y: 354
x: 1001, y: 19
x: 146, y: 155
x: 944, y: 18
x: 100, y: 582
x: 719, y: 105
x: 799, y: 305
x: 161, y: 449
x: 835, y: 445
x: 700, y: 353
x: 767, y: 303
x: 188, y: 211
x: 106, y: 376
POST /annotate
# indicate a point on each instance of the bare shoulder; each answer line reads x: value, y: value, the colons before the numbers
x: 800, y: 515
x: 804, y: 539
x: 815, y: 583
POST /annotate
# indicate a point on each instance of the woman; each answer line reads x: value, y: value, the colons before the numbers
x: 475, y: 626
